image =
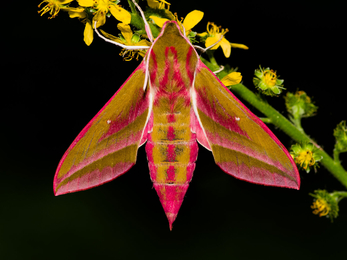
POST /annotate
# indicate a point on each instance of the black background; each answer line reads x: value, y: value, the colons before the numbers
x: 53, y: 84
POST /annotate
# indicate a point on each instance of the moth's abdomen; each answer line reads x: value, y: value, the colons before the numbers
x: 171, y: 151
x: 171, y: 161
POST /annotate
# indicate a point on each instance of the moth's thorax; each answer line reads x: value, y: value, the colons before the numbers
x: 172, y: 60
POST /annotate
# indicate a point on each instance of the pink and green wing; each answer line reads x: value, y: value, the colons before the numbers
x: 242, y: 145
x: 107, y: 146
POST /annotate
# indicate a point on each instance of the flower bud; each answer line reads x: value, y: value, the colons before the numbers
x: 340, y: 134
x: 300, y: 105
x: 325, y: 204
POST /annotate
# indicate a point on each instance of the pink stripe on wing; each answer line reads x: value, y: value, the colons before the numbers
x: 94, y: 179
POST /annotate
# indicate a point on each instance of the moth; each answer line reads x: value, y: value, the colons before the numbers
x: 171, y: 102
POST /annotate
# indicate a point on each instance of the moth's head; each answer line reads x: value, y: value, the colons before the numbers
x: 173, y: 27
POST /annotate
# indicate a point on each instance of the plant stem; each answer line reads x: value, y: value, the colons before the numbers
x: 266, y: 120
x: 132, y: 6
x: 212, y: 59
x: 340, y: 194
x: 286, y: 126
x: 336, y: 156
x: 297, y: 123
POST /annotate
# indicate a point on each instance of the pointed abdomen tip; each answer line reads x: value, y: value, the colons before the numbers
x: 171, y: 218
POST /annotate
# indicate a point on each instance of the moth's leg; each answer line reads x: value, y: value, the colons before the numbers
x: 148, y: 30
x: 199, y: 48
x: 128, y: 47
x: 219, y: 70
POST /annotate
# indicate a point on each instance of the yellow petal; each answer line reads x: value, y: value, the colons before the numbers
x: 120, y: 14
x: 75, y: 9
x: 100, y: 18
x: 202, y: 34
x: 143, y: 43
x: 85, y: 3
x: 62, y: 2
x: 192, y: 19
x: 158, y: 21
x: 226, y: 46
x: 111, y: 37
x: 88, y: 33
x: 153, y: 4
x: 212, y: 40
x: 239, y: 45
x: 77, y: 12
x: 126, y: 31
x: 232, y: 78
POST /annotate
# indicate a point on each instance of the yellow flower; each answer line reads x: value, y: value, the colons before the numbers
x: 232, y: 78
x: 128, y: 39
x: 320, y: 207
x: 88, y: 29
x: 214, y: 34
x: 305, y: 159
x: 192, y: 19
x: 267, y: 81
x: 305, y: 156
x: 53, y: 7
x: 102, y: 7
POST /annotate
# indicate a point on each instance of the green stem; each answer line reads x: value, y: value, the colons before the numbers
x: 207, y: 63
x: 266, y: 120
x: 213, y: 62
x: 137, y: 21
x: 132, y: 7
x: 213, y: 65
x: 286, y: 126
x: 341, y: 194
x: 297, y: 123
x: 336, y: 156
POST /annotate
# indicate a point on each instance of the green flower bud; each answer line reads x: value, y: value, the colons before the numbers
x: 340, y: 134
x: 325, y: 204
x: 136, y: 38
x: 300, y: 105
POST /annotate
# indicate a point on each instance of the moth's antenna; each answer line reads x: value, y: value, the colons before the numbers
x: 148, y: 30
x: 128, y: 47
x: 209, y: 47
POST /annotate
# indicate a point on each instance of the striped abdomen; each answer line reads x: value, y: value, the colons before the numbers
x: 172, y: 151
